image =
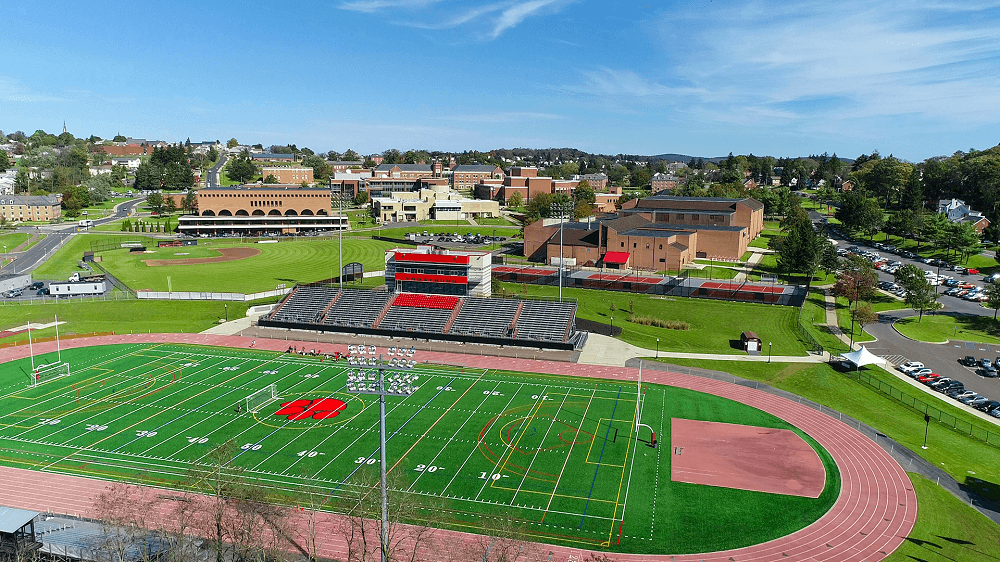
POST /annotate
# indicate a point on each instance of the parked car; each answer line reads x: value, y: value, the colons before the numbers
x: 949, y: 386
x: 984, y: 362
x: 36, y: 285
x: 974, y: 400
x: 928, y: 379
x: 940, y: 382
x: 914, y: 365
x: 988, y: 406
x: 920, y: 371
x: 989, y: 372
x: 959, y: 394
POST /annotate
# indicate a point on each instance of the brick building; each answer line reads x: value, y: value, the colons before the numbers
x: 288, y: 174
x: 263, y: 209
x: 664, y: 182
x: 467, y: 176
x: 128, y: 150
x: 271, y: 157
x: 657, y: 233
x: 35, y: 208
x: 408, y: 171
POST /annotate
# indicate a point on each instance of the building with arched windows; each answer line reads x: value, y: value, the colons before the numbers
x: 257, y: 210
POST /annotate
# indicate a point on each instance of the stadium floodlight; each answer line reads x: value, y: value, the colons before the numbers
x: 380, y: 388
x: 392, y: 351
x: 371, y: 350
x: 351, y: 348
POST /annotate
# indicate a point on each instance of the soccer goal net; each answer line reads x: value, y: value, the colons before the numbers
x: 45, y: 373
x: 258, y: 399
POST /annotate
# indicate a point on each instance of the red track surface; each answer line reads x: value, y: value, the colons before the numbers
x: 876, y: 510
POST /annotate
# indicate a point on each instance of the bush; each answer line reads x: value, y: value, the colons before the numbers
x: 658, y: 322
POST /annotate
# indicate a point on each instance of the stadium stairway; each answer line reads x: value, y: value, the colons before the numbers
x: 513, y: 323
x: 569, y: 325
x: 329, y: 306
x: 385, y: 310
x: 283, y: 302
x: 453, y: 317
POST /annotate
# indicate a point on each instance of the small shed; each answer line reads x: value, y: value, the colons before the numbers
x: 17, y: 531
x: 751, y: 343
x: 88, y: 256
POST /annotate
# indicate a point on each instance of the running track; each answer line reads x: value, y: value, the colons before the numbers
x: 875, y: 512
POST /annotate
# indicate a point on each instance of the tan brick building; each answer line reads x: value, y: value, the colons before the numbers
x: 467, y: 176
x: 33, y: 208
x: 288, y: 174
x: 263, y: 209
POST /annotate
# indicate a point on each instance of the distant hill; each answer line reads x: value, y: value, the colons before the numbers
x: 685, y: 158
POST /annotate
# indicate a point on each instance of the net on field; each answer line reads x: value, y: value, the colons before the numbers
x: 45, y: 373
x: 259, y: 399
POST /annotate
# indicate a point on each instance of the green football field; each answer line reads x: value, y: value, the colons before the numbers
x: 559, y: 455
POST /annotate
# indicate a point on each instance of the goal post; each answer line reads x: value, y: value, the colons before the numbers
x: 259, y: 399
x: 46, y: 373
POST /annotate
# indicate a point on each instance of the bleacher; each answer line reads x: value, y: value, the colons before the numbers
x: 485, y: 317
x: 305, y: 304
x: 545, y: 320
x: 356, y: 308
x: 489, y: 320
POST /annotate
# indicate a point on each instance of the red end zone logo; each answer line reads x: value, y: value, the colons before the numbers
x: 320, y: 409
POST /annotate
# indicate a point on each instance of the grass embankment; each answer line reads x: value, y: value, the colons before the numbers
x: 881, y: 302
x: 64, y: 262
x: 963, y: 457
x: 939, y: 328
x: 714, y: 326
x: 947, y: 530
x: 13, y: 240
x: 121, y: 317
x: 814, y: 322
x: 707, y: 272
x: 769, y: 265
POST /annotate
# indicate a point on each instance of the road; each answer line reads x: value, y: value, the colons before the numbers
x: 212, y: 178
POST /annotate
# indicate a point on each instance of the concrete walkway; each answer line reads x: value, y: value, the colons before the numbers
x: 235, y: 327
x: 605, y: 350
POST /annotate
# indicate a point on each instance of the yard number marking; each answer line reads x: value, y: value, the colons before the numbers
x: 307, y: 376
x: 96, y: 427
x: 446, y: 388
x: 362, y: 460
x: 483, y: 476
x: 432, y: 468
x: 251, y: 447
x: 145, y: 434
x: 309, y: 454
x: 230, y: 368
x: 48, y: 421
x: 270, y: 372
x: 544, y: 397
x: 197, y: 440
x: 492, y: 393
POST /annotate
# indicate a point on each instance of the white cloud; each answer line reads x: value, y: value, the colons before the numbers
x: 372, y: 6
x: 514, y: 15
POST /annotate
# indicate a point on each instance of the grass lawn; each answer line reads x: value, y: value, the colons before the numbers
x: 947, y: 530
x: 814, y: 322
x: 472, y: 443
x: 955, y: 452
x: 13, y: 240
x: 118, y: 316
x: 38, y: 238
x: 495, y: 221
x: 713, y: 325
x: 939, y: 328
x: 769, y: 265
x: 64, y: 262
x: 707, y: 272
x: 288, y: 262
x: 401, y: 233
x: 881, y: 302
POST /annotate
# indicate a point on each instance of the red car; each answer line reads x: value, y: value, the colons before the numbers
x: 928, y: 379
x: 973, y: 272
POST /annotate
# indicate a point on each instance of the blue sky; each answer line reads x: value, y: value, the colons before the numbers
x: 704, y: 77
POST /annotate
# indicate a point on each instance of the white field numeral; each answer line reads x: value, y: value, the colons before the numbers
x: 362, y: 460
x: 96, y: 427
x: 424, y: 467
x: 251, y: 447
x: 484, y: 476
x: 446, y: 388
x: 145, y: 434
x: 309, y: 454
x: 48, y: 421
x: 197, y: 440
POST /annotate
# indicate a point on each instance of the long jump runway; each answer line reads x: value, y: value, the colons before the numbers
x: 875, y: 512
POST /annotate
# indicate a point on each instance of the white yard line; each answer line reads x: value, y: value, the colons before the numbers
x: 538, y: 450
x: 568, y: 455
x: 510, y: 448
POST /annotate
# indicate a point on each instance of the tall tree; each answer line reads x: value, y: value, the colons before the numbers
x: 993, y: 297
x: 241, y: 169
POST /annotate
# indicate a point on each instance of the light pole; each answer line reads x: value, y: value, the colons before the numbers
x: 399, y: 385
x: 927, y: 427
x: 769, y: 344
x: 612, y: 326
x: 340, y: 222
x: 226, y: 306
x: 562, y: 208
x: 657, y: 348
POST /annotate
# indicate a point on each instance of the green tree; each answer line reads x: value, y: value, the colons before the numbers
x: 4, y: 161
x: 584, y: 193
x: 270, y: 179
x: 351, y: 156
x: 993, y: 297
x: 190, y: 202
x: 155, y: 202
x: 119, y: 138
x: 857, y: 280
x: 233, y: 143
x: 321, y: 171
x: 802, y: 248
x: 515, y: 200
x: 241, y: 169
x: 922, y: 297
x: 213, y: 154
x: 861, y: 316
x: 169, y: 206
x: 361, y: 198
x: 99, y: 189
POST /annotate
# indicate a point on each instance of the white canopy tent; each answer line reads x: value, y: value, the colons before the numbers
x: 863, y: 357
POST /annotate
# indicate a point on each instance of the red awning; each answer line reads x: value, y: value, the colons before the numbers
x: 616, y: 257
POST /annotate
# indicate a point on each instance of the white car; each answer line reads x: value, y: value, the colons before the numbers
x: 910, y: 366
x: 919, y: 372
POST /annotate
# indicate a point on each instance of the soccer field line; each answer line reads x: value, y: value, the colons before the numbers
x: 600, y: 458
x: 132, y: 426
x: 568, y: 455
x: 236, y: 417
x: 452, y: 439
x: 476, y: 448
x: 552, y: 422
x: 137, y: 383
x: 512, y: 445
x: 114, y: 354
x: 399, y: 429
x: 628, y: 485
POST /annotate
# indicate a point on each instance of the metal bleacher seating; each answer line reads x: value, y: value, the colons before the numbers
x: 544, y: 320
x: 485, y: 317
x: 356, y: 308
x: 410, y: 318
x: 306, y: 305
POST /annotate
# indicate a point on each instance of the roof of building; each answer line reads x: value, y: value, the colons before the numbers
x: 404, y: 167
x: 272, y: 156
x: 12, y: 519
x: 626, y: 222
x: 30, y: 200
x: 345, y: 162
x: 474, y: 168
x: 267, y: 187
x: 695, y: 203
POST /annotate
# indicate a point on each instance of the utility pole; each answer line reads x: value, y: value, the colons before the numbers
x: 562, y: 209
